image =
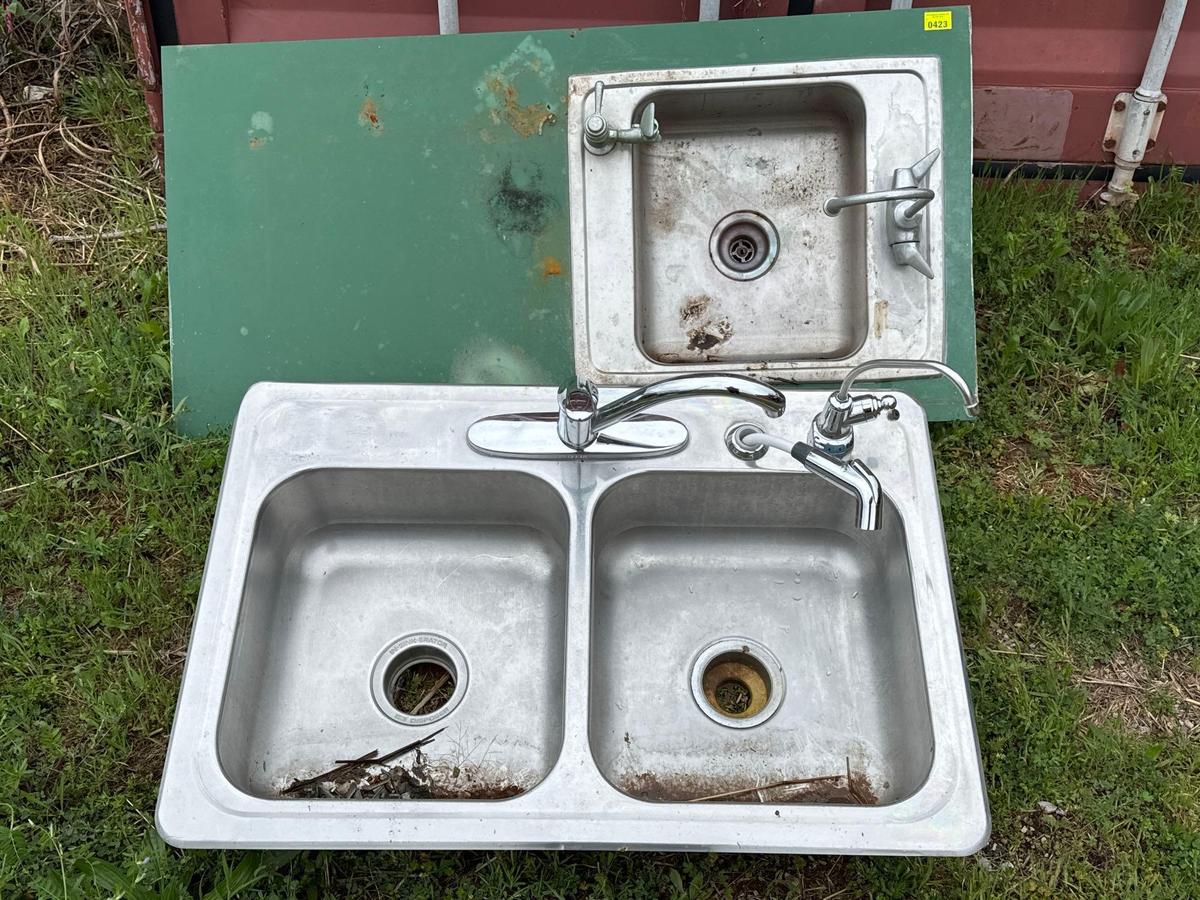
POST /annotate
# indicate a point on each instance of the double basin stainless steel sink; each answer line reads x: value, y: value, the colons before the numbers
x: 689, y: 652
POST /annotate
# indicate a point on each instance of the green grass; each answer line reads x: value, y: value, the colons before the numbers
x: 1072, y: 511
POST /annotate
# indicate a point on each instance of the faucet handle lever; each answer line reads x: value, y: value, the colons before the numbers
x: 578, y: 401
x: 600, y: 137
x: 649, y: 125
x: 924, y: 165
x: 904, y: 218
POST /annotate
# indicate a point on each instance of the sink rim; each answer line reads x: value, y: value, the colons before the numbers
x: 282, y: 428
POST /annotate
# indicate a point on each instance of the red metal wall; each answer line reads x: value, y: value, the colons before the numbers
x: 1046, y: 71
x: 220, y: 21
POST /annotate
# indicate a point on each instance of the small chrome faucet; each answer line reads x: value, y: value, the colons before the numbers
x: 917, y: 198
x: 747, y: 441
x: 906, y: 202
x: 599, y: 137
x: 581, y: 418
x: 832, y: 429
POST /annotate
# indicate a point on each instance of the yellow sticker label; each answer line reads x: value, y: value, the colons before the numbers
x: 942, y: 20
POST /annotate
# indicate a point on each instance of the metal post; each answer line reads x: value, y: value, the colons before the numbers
x: 710, y: 10
x: 1142, y: 108
x: 447, y: 16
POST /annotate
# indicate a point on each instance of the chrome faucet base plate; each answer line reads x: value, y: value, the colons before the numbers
x: 534, y: 435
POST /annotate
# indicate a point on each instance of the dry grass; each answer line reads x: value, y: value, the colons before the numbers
x: 1023, y: 470
x: 74, y: 155
x: 1143, y: 698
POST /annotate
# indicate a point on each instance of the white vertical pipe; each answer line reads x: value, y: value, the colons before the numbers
x: 1142, y: 108
x: 710, y: 10
x: 901, y: 4
x: 1160, y: 51
x: 447, y: 16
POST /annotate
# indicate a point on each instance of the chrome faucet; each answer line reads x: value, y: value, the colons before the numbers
x: 832, y: 428
x: 581, y: 418
x: 906, y: 202
x: 599, y: 137
x: 747, y: 441
x: 919, y: 198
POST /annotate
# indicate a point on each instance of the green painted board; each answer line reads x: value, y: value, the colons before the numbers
x: 395, y: 210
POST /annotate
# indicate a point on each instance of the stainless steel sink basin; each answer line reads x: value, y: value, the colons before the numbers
x: 772, y: 566
x: 709, y: 250
x: 351, y: 569
x: 614, y: 637
x: 779, y: 150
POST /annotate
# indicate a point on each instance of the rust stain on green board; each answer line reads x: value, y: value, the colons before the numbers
x: 529, y: 69
x: 526, y: 121
x: 368, y: 114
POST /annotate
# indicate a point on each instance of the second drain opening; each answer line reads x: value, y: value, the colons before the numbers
x: 733, y: 696
x: 737, y: 682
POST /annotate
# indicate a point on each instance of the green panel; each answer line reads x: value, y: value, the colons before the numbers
x: 396, y: 210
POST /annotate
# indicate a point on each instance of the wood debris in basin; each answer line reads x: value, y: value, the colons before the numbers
x: 348, y: 772
x: 374, y: 777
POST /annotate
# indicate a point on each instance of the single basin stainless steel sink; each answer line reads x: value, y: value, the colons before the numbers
x: 709, y: 248
x: 691, y: 651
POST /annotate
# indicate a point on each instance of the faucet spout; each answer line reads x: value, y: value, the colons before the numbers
x: 853, y: 477
x: 930, y: 365
x: 738, y: 386
x: 581, y: 418
x: 918, y: 195
x: 599, y: 137
x: 832, y: 428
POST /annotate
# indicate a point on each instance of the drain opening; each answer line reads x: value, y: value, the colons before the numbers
x: 742, y: 250
x: 419, y: 679
x: 737, y: 682
x: 421, y: 688
x: 744, y: 245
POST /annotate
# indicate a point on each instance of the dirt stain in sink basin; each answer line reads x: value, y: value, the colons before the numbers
x: 705, y: 332
x: 853, y: 790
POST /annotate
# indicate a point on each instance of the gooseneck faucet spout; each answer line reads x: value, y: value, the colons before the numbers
x: 581, y: 418
x: 930, y: 365
x: 833, y: 427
